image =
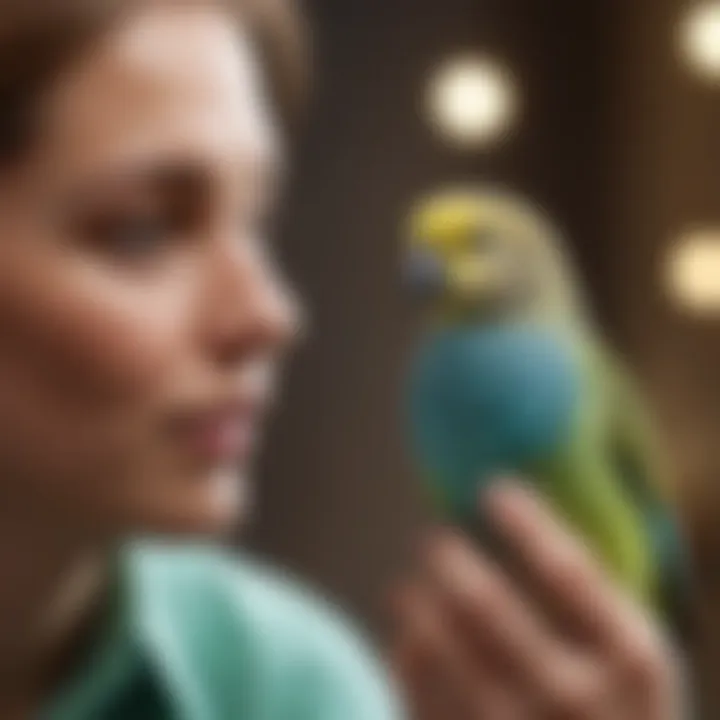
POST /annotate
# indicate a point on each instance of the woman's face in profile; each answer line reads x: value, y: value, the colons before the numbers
x: 140, y: 317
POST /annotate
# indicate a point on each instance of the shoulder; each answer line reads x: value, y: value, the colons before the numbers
x: 291, y: 651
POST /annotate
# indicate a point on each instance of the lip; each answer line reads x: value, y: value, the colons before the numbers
x: 222, y: 432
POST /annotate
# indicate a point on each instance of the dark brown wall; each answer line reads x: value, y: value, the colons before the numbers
x: 667, y: 153
x: 614, y: 141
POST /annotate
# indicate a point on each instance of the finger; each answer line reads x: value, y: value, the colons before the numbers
x: 420, y: 687
x: 548, y: 677
x: 623, y: 633
x: 562, y: 567
x: 441, y: 678
x: 432, y: 670
x: 496, y: 620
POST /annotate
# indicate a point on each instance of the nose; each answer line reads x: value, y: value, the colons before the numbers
x: 252, y: 310
x: 424, y: 273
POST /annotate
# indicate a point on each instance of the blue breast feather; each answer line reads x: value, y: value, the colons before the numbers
x: 489, y: 400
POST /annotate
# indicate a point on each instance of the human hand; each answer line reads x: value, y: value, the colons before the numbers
x: 474, y: 644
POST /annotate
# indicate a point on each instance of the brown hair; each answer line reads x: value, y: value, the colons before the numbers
x: 40, y: 38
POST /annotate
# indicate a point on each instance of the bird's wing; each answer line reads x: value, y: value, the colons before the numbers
x: 636, y: 451
x: 634, y: 437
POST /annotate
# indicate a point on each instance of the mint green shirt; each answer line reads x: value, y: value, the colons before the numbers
x: 201, y: 635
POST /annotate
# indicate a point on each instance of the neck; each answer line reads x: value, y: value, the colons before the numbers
x: 52, y: 583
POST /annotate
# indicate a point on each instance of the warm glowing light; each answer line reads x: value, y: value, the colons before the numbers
x: 472, y: 101
x: 700, y: 39
x: 694, y: 271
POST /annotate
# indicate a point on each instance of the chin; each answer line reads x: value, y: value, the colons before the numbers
x: 213, y: 506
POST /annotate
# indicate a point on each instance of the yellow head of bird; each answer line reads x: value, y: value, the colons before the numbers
x: 484, y: 251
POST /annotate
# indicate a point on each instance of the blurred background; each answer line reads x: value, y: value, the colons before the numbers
x: 607, y: 113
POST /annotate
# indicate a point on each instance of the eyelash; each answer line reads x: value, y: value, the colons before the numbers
x: 142, y: 235
x: 135, y: 236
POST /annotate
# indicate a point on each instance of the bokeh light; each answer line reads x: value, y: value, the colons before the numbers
x: 694, y: 271
x: 700, y: 39
x: 472, y: 101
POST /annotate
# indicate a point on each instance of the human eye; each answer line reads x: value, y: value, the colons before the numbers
x: 131, y: 235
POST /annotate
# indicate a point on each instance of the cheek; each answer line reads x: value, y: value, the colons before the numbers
x: 85, y: 343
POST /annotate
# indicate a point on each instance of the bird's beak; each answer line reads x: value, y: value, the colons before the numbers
x: 424, y: 273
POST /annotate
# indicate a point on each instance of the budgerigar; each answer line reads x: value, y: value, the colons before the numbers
x: 512, y: 378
